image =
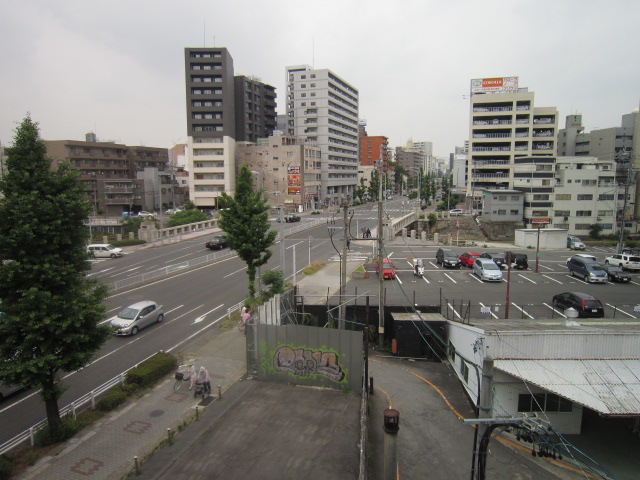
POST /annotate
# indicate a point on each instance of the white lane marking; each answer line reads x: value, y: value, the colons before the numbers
x: 621, y: 311
x: 398, y: 278
x: 447, y: 275
x: 552, y: 279
x: 475, y: 277
x: 425, y: 279
x: 454, y: 311
x: 131, y: 269
x: 522, y: 311
x: 549, y: 306
x: 522, y: 276
x: 201, y: 317
x: 548, y: 268
x: 233, y: 273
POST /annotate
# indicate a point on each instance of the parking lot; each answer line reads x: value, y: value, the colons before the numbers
x: 529, y: 293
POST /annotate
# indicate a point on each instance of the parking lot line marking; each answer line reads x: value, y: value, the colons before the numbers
x: 454, y: 311
x: 474, y: 277
x: 552, y: 279
x: 425, y: 279
x: 548, y: 268
x: 398, y: 278
x: 522, y: 311
x: 622, y: 311
x: 635, y: 283
x: 522, y: 276
x: 447, y: 275
x: 549, y: 306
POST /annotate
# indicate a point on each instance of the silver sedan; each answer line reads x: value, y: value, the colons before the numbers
x: 137, y: 316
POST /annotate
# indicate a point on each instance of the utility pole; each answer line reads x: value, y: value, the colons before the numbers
x: 343, y: 271
x: 624, y: 162
x: 281, y: 218
x: 380, y: 266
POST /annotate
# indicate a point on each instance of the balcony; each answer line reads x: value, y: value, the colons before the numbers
x: 492, y: 122
x: 491, y: 135
x: 491, y: 149
x: 493, y: 109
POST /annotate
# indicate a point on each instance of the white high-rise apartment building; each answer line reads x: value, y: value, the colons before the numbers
x: 323, y: 108
x: 504, y: 124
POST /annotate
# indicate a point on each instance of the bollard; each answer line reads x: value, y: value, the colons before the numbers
x: 197, y: 417
x: 135, y: 459
x: 370, y: 385
x: 220, y: 391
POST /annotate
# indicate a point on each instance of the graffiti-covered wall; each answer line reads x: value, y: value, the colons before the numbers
x: 311, y: 356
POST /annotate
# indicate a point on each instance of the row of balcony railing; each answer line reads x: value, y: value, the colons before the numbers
x: 546, y: 133
x: 509, y: 108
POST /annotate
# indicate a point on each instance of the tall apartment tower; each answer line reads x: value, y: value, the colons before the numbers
x: 221, y: 109
x: 374, y: 148
x: 323, y: 109
x: 505, y: 125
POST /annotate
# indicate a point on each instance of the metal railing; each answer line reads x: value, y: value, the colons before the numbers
x: 72, y: 408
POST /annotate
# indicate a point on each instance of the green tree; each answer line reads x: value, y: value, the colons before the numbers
x: 595, y: 230
x: 184, y: 217
x: 189, y: 205
x: 245, y: 219
x: 360, y: 191
x: 374, y: 185
x: 51, y: 310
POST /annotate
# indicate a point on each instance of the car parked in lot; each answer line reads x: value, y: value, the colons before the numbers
x: 144, y: 214
x: 616, y: 274
x: 388, y: 269
x: 519, y: 261
x: 456, y: 212
x: 625, y: 261
x: 586, y: 305
x: 497, y: 258
x: 590, y: 272
x: 486, y: 269
x: 467, y: 259
x: 137, y: 316
x: 574, y: 243
x: 447, y: 258
x: 216, y: 243
x: 103, y: 250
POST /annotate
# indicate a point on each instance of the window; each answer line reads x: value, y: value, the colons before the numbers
x: 502, y: 212
x: 589, y: 183
x: 606, y: 196
x: 583, y: 213
x: 563, y: 196
x: 540, y: 197
x: 515, y: 198
x: 540, y: 213
x: 605, y: 213
x: 585, y: 197
x: 464, y: 370
x: 582, y: 226
x: 514, y: 212
x: 562, y: 213
x: 543, y: 402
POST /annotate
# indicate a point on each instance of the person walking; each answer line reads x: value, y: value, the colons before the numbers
x: 204, y: 379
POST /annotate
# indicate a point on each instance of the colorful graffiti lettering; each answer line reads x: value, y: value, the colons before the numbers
x: 307, y: 362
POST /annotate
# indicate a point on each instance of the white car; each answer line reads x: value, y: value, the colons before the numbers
x: 486, y: 269
x: 456, y: 211
x: 103, y: 250
x: 625, y: 261
x: 144, y: 214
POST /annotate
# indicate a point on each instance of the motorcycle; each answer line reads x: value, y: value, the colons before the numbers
x: 418, y: 267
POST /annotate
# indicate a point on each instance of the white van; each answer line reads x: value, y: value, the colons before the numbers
x: 104, y: 250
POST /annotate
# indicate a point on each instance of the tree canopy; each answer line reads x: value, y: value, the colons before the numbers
x: 50, y: 309
x: 245, y: 219
x: 186, y: 216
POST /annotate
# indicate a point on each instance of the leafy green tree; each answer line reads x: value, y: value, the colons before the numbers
x: 189, y: 205
x: 51, y: 310
x: 187, y: 216
x: 595, y: 230
x: 374, y: 185
x: 360, y: 191
x: 274, y: 281
x: 131, y: 224
x: 245, y: 219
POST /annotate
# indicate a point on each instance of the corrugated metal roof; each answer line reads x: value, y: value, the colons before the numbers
x: 610, y: 387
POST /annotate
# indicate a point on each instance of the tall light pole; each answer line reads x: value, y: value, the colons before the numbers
x: 380, y: 266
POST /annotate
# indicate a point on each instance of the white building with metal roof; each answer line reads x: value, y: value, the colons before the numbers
x: 555, y: 368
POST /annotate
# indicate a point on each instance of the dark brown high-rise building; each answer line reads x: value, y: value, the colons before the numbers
x: 255, y: 109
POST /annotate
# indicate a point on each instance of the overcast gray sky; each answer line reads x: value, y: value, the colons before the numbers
x: 116, y: 67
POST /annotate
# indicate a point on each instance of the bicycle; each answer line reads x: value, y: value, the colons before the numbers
x: 242, y: 325
x: 183, y: 374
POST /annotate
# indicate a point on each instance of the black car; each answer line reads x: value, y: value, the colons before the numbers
x: 519, y: 261
x: 585, y: 304
x: 447, y: 258
x: 616, y: 274
x: 292, y: 218
x: 217, y: 243
x: 497, y: 259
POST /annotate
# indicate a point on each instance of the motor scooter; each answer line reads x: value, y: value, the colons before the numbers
x: 418, y: 267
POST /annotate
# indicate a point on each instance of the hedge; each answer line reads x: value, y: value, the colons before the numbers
x: 152, y: 370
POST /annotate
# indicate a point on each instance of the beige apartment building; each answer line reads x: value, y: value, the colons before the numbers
x: 504, y: 125
x: 287, y: 170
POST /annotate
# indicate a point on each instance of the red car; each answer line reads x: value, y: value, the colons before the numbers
x: 467, y: 259
x: 388, y: 268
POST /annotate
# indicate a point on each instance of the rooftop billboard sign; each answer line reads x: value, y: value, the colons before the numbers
x: 494, y: 85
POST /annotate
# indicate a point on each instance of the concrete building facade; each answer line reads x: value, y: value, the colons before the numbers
x: 323, y: 109
x: 505, y: 125
x: 372, y: 149
x: 287, y: 170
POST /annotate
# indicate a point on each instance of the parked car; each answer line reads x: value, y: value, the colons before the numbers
x: 497, y: 259
x: 591, y: 272
x: 616, y: 274
x: 467, y: 259
x: 456, y: 211
x: 292, y: 217
x: 137, y: 316
x: 447, y: 258
x: 388, y: 269
x: 625, y: 261
x: 143, y: 214
x: 584, y: 256
x: 6, y: 390
x: 574, y: 243
x: 486, y: 269
x: 586, y: 305
x: 103, y: 250
x: 519, y: 261
x: 217, y: 243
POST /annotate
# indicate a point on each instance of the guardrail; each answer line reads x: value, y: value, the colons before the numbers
x: 72, y: 408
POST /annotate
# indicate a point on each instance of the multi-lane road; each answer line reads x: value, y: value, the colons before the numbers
x: 196, y: 299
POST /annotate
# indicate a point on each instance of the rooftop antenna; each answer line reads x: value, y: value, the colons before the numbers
x: 204, y: 34
x: 313, y: 53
